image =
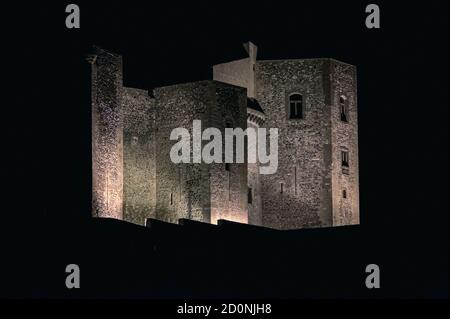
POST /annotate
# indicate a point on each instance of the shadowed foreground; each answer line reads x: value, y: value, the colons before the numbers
x: 123, y: 260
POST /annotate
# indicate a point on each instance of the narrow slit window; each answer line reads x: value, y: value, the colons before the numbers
x: 250, y: 196
x: 171, y: 198
x: 344, y: 158
x: 344, y: 193
x: 281, y: 188
x: 343, y: 103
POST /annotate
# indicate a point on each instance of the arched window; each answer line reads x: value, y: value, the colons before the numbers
x: 295, y: 106
x: 344, y: 108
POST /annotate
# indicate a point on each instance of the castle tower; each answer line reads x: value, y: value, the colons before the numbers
x: 344, y: 143
x: 313, y: 104
x: 107, y: 134
x: 199, y: 191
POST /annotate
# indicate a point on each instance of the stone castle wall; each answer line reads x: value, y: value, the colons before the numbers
x: 199, y: 191
x: 344, y: 137
x: 228, y: 186
x: 134, y: 178
x: 293, y: 197
x: 254, y: 177
x: 182, y: 190
x: 139, y: 163
x: 107, y: 135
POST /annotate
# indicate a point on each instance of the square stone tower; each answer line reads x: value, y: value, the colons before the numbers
x: 199, y: 191
x: 313, y: 104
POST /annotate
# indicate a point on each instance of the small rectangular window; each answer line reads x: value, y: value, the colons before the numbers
x: 344, y: 193
x: 281, y: 188
x: 295, y: 106
x: 227, y: 166
x: 344, y: 158
x: 250, y: 196
x: 344, y: 162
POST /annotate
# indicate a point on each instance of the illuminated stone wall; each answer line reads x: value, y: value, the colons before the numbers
x: 134, y: 178
x: 139, y: 164
x: 182, y: 190
x: 202, y: 192
x: 344, y: 136
x: 255, y: 119
x: 293, y: 197
x: 307, y: 190
x: 228, y: 186
x: 107, y: 135
x: 242, y: 73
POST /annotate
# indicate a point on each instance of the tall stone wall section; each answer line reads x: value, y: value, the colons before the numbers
x: 182, y: 190
x: 254, y: 121
x: 242, y: 73
x: 139, y: 164
x: 228, y: 186
x: 107, y: 134
x: 199, y: 191
x: 344, y: 137
x: 297, y: 195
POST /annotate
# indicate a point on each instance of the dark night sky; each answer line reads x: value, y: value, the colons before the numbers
x: 402, y: 94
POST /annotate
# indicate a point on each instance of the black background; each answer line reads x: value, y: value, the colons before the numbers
x: 402, y: 104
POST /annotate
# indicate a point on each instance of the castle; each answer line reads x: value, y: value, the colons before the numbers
x: 312, y: 102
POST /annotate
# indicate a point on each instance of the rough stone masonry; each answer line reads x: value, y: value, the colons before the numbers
x: 312, y: 102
